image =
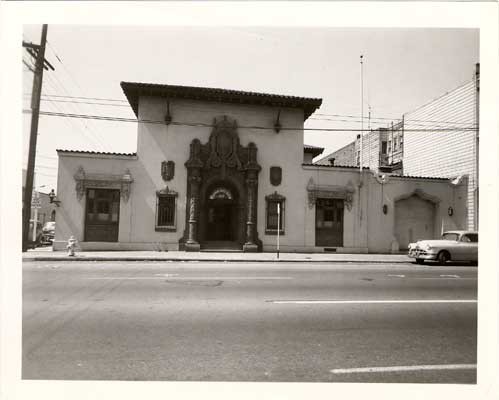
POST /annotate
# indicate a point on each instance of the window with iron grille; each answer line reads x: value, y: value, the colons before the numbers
x: 273, y: 218
x: 166, y: 211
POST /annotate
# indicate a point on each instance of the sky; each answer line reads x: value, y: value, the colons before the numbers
x: 402, y: 70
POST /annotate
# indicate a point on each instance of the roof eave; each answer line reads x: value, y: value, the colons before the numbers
x: 133, y: 91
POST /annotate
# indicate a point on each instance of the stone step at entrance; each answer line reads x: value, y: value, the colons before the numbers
x: 221, y: 246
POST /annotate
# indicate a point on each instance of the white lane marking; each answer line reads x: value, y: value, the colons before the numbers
x: 205, y: 278
x: 166, y: 275
x: 449, y: 276
x: 397, y: 276
x: 403, y: 368
x: 368, y: 301
x: 446, y: 279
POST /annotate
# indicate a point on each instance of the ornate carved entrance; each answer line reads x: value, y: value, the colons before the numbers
x: 222, y: 190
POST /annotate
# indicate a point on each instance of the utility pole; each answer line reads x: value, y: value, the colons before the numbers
x: 477, y: 140
x: 35, y: 111
x: 369, y: 132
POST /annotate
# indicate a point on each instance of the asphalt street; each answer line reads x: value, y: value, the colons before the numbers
x: 188, y: 321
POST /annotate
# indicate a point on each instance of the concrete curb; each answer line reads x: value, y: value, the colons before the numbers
x: 172, y: 259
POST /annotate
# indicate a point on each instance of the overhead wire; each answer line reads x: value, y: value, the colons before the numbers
x: 70, y: 75
x: 90, y: 135
x: 201, y: 124
x: 89, y: 130
x: 356, y: 118
x: 72, y: 125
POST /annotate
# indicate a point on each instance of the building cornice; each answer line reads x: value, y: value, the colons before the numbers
x: 96, y: 154
x: 134, y: 90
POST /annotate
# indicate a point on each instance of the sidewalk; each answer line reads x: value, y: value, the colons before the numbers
x: 48, y: 255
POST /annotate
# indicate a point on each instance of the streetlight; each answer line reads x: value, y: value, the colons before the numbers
x: 52, y: 198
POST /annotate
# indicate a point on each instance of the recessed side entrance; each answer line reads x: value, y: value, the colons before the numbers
x: 102, y: 215
x: 329, y: 222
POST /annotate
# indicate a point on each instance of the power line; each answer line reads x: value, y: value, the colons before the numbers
x: 84, y: 98
x: 96, y: 139
x: 356, y: 117
x: 204, y: 125
x: 71, y: 124
x: 84, y: 102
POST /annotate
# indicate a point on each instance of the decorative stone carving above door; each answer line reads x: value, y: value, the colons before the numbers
x: 224, y: 145
x: 85, y: 180
x: 330, y: 192
x: 222, y: 162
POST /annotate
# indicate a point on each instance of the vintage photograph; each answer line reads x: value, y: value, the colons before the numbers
x: 250, y: 203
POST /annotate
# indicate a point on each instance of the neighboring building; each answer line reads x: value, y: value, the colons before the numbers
x: 219, y: 168
x: 344, y: 156
x: 438, y: 139
x: 45, y: 210
x: 310, y: 152
x: 448, y: 146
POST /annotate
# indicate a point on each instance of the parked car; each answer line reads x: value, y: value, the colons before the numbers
x: 454, y: 245
x: 38, y: 235
x: 48, y: 233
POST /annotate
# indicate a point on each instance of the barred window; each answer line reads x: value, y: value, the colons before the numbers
x: 166, y: 211
x: 273, y: 218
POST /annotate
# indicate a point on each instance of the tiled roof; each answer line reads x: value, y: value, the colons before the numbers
x: 313, y: 149
x: 96, y: 152
x: 418, y: 177
x: 333, y: 166
x: 133, y: 90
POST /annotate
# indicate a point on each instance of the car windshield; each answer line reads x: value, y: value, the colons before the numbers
x: 470, y: 238
x: 450, y: 236
x: 49, y: 226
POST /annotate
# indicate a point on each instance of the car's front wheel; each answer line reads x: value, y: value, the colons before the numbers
x: 443, y: 257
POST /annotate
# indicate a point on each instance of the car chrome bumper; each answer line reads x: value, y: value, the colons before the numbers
x: 422, y: 254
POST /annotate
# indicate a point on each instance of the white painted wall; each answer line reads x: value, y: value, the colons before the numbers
x: 70, y: 215
x: 365, y: 226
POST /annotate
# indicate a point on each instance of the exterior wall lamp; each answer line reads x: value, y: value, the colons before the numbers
x: 52, y: 198
x: 168, y: 117
x: 277, y: 125
x: 450, y: 211
x: 385, y: 209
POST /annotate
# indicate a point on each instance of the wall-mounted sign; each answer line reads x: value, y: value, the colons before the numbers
x: 167, y: 170
x: 275, y: 176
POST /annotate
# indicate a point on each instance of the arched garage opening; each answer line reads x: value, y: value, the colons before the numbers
x: 414, y: 218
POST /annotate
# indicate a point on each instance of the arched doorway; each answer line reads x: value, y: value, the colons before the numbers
x: 222, y: 192
x: 221, y: 215
x: 414, y: 220
x: 221, y: 222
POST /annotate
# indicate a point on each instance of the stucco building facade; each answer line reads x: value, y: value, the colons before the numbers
x: 224, y: 169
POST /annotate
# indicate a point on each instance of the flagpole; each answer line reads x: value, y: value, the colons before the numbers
x: 361, y: 112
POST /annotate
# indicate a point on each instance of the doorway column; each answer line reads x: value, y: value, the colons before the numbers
x: 192, y: 243
x: 252, y: 170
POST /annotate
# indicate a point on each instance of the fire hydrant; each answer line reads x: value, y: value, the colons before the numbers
x: 71, y: 246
